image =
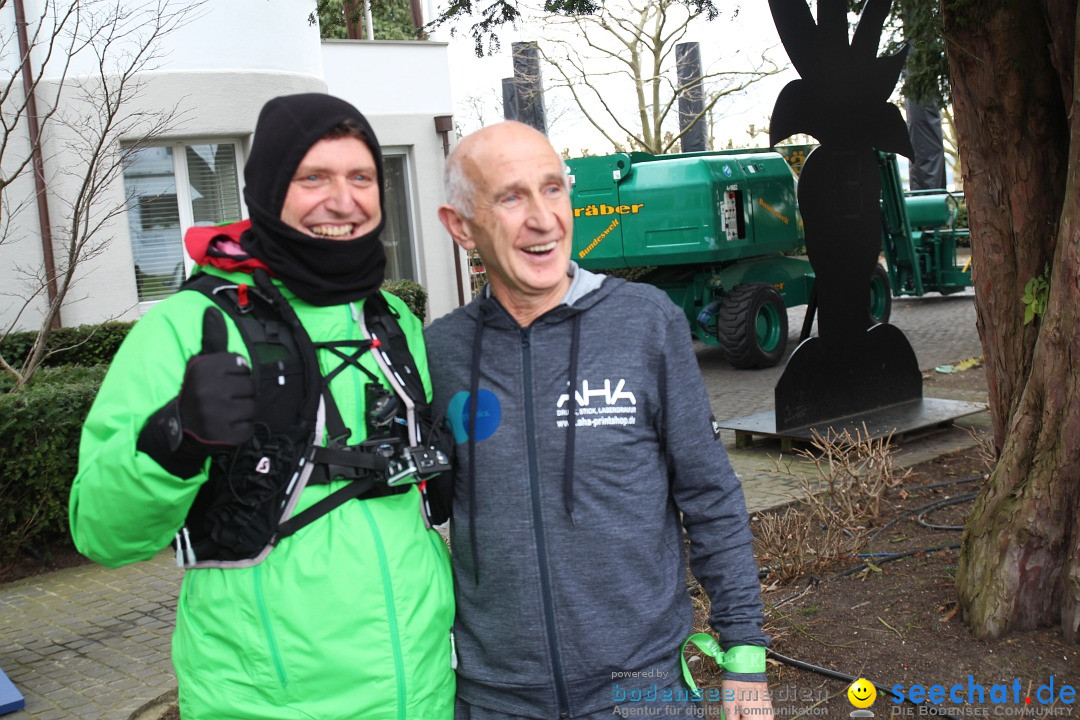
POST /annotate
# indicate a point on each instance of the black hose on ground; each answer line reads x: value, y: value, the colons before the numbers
x: 942, y: 504
x: 837, y: 675
x: 882, y: 558
x: 897, y: 556
x: 943, y: 483
x: 920, y: 511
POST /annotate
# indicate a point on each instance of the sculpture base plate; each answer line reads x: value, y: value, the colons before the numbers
x: 901, y: 419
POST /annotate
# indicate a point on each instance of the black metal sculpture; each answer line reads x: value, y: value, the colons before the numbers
x: 842, y: 101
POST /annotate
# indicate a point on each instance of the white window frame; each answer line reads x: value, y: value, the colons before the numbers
x: 405, y: 152
x: 183, y: 187
x: 183, y: 190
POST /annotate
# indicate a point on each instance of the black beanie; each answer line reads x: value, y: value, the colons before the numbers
x: 319, y: 270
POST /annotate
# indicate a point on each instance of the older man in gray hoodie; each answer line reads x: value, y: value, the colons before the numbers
x: 585, y: 445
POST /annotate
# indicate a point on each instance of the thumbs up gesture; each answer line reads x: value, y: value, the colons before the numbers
x: 217, y: 398
x: 214, y: 411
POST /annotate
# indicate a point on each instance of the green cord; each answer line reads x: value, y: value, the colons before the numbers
x: 738, y: 659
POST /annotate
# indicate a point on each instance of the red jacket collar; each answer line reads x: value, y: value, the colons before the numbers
x: 219, y: 246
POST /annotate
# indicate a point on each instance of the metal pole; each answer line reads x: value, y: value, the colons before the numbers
x: 38, y: 160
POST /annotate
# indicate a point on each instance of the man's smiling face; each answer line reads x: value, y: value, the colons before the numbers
x: 334, y: 192
x: 523, y: 221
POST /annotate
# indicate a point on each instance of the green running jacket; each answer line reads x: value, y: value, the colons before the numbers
x: 348, y: 618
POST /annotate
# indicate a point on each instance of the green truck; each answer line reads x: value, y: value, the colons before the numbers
x: 721, y: 233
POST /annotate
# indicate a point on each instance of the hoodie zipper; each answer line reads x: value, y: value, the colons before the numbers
x: 541, y: 549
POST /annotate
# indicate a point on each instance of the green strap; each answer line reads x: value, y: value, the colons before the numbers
x: 739, y: 659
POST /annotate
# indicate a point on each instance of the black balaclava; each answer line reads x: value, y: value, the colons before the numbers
x: 319, y: 270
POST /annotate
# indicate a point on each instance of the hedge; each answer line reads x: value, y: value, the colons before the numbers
x: 85, y: 345
x: 39, y: 444
x: 414, y: 295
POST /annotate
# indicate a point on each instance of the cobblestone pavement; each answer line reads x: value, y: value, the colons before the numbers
x: 89, y: 642
x: 93, y: 643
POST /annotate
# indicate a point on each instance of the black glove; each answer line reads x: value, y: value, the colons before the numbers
x: 214, y: 411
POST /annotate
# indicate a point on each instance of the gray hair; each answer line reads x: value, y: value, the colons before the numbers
x: 460, y: 192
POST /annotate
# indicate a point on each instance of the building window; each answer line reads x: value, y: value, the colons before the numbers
x: 397, y: 236
x: 171, y: 188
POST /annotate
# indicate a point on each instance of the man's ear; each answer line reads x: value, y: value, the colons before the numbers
x: 457, y: 226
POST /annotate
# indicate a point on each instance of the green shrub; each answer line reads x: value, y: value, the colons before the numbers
x: 962, y: 214
x: 414, y: 295
x: 39, y: 444
x: 86, y: 345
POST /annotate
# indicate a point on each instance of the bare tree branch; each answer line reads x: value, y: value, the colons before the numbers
x: 98, y: 112
x: 626, y: 50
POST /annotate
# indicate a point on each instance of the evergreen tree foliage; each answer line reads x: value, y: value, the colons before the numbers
x: 392, y: 19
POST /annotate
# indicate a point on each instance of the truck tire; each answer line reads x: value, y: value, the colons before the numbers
x: 880, y: 296
x: 752, y: 326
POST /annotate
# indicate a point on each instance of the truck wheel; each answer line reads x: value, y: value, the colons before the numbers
x: 880, y: 296
x: 752, y: 326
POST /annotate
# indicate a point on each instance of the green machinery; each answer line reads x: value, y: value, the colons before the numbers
x: 720, y: 232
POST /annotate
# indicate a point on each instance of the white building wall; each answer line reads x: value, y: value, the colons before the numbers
x: 217, y: 71
x: 21, y: 254
x: 262, y: 35
x: 385, y: 77
x: 401, y: 87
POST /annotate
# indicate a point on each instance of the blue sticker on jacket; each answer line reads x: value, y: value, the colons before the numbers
x: 488, y: 415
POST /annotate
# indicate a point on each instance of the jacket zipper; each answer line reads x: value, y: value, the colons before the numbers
x: 541, y: 549
x: 268, y: 629
x: 388, y: 589
x: 391, y: 614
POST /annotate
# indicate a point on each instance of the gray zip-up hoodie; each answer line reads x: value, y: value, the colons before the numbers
x: 568, y: 554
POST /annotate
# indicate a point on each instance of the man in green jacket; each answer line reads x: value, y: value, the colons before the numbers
x: 212, y: 428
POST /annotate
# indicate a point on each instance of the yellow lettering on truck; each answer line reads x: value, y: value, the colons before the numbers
x: 594, y: 210
x: 614, y: 224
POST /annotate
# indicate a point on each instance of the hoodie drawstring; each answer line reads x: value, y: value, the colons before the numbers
x: 568, y: 462
x: 474, y: 402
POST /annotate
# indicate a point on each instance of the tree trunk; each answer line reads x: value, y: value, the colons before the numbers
x: 1012, y: 88
x: 354, y: 19
x: 417, y: 13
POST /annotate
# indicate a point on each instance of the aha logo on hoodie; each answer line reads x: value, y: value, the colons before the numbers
x: 488, y: 415
x: 598, y: 405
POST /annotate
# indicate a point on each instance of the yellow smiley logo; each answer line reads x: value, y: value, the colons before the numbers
x: 862, y: 693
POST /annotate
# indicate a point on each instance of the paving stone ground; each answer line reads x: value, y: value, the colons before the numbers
x: 93, y: 643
